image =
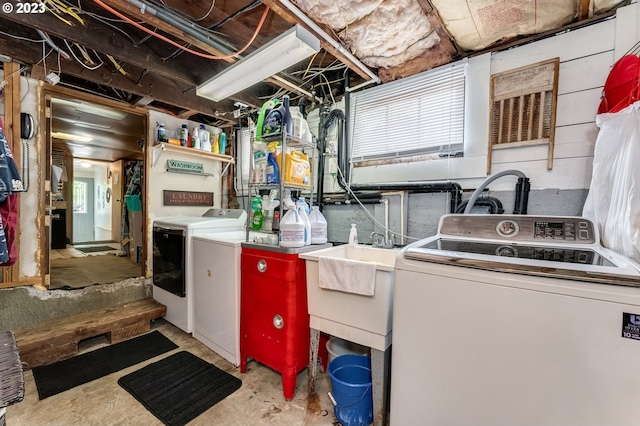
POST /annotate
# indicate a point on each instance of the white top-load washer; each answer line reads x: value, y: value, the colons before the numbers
x: 515, y: 320
x: 216, y: 276
x: 173, y: 258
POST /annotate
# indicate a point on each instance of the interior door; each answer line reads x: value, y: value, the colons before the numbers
x: 83, y: 210
x: 115, y: 180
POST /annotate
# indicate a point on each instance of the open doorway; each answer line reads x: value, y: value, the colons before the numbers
x: 97, y: 173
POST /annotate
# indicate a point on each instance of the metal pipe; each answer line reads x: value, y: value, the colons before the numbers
x: 402, y: 230
x: 385, y: 201
x: 185, y: 25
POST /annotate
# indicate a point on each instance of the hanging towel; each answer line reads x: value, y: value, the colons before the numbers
x: 350, y: 276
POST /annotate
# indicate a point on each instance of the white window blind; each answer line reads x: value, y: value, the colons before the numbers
x: 418, y: 115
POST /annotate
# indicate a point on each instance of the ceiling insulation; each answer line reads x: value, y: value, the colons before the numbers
x: 338, y: 14
x: 381, y: 33
x: 478, y: 24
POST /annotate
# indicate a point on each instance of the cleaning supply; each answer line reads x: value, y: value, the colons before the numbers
x: 273, y: 171
x: 353, y: 235
x: 297, y: 168
x: 256, y: 213
x: 259, y: 164
x: 291, y: 229
x: 264, y: 111
x: 215, y: 144
x: 223, y: 143
x: 267, y: 212
x: 196, y: 139
x: 273, y: 121
x: 307, y: 209
x: 318, y: 226
x: 287, y: 119
x: 205, y: 141
x: 184, y: 135
x: 305, y: 220
x: 162, y: 133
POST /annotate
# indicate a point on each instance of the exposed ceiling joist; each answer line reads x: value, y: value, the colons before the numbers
x: 104, y: 40
x: 151, y: 86
x: 282, y: 11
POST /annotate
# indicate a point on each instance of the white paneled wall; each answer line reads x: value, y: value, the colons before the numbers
x: 586, y: 56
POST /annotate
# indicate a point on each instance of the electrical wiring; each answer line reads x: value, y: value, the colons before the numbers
x: 204, y: 55
x: 51, y: 44
x: 247, y: 8
x: 58, y: 6
x: 213, y: 2
x: 79, y: 61
x: 21, y: 38
x: 117, y: 65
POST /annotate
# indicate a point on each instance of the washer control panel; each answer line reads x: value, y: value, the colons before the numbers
x: 569, y: 229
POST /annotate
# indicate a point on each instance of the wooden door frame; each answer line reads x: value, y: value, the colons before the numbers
x: 46, y: 92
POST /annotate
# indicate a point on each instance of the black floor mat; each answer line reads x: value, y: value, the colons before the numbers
x: 63, y: 375
x: 180, y: 387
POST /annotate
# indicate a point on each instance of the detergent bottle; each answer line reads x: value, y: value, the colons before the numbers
x: 256, y: 213
x: 292, y: 229
x: 274, y: 120
x: 305, y: 220
x: 307, y: 209
x: 318, y: 226
x: 287, y: 118
x: 205, y: 142
x: 196, y: 139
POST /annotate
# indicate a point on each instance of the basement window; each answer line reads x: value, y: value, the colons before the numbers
x: 415, y: 119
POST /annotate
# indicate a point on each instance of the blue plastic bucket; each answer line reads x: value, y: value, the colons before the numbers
x: 351, y: 389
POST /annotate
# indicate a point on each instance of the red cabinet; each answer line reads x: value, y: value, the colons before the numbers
x: 274, y: 320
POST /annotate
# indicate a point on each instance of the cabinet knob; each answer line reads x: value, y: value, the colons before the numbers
x: 262, y: 265
x: 278, y: 322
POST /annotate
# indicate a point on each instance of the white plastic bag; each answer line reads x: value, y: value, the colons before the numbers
x: 613, y: 202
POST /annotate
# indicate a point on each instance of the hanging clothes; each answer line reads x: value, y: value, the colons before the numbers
x: 10, y: 182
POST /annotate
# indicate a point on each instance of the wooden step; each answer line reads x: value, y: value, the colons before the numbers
x: 46, y: 343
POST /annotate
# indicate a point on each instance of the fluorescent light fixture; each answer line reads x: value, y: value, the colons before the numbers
x: 280, y: 53
x: 94, y: 109
x: 70, y: 137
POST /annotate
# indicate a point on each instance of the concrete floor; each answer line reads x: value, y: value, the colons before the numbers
x: 103, y: 402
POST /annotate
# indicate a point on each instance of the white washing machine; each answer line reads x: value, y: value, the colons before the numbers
x: 173, y: 259
x: 216, y: 275
x: 515, y: 320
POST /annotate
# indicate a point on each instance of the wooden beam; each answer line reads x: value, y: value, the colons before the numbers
x: 134, y: 12
x: 152, y: 86
x: 583, y: 9
x: 100, y: 38
x: 288, y: 16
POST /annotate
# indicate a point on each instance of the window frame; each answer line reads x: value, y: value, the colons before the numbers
x: 472, y: 164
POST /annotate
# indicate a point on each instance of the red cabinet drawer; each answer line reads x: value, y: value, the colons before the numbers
x: 266, y: 264
x: 274, y: 319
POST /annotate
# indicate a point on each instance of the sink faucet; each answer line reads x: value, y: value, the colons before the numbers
x: 378, y: 241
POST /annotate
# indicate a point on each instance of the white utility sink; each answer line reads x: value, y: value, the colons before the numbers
x: 366, y: 320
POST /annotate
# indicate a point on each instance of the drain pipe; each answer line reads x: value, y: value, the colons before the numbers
x: 483, y: 185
